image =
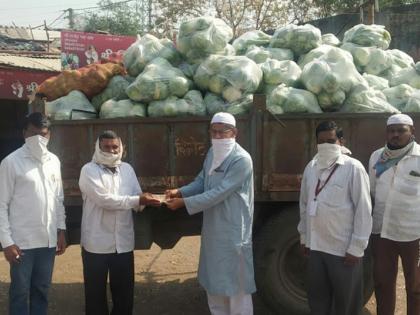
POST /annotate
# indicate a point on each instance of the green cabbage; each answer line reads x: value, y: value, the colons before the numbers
x: 398, y: 95
x: 202, y: 36
x: 285, y: 99
x: 122, y: 108
x: 367, y: 100
x: 158, y: 81
x: 413, y: 103
x: 368, y: 35
x: 191, y: 105
x: 230, y: 76
x: 410, y: 76
x: 299, y: 38
x: 251, y: 38
x: 261, y: 54
x: 376, y: 82
x: 144, y: 50
x: 314, y: 54
x: 276, y: 72
x: 215, y: 104
x: 331, y: 77
x: 330, y: 39
x: 115, y: 89
x: 74, y: 105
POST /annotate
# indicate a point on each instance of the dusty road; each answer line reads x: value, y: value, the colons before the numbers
x: 165, y: 283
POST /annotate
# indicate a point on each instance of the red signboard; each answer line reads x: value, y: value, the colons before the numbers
x: 19, y: 84
x: 80, y: 49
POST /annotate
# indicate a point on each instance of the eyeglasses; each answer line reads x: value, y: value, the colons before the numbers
x: 221, y: 132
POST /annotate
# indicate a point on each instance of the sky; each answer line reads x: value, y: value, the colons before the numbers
x: 34, y: 12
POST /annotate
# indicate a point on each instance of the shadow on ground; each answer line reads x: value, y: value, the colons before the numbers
x: 150, y: 298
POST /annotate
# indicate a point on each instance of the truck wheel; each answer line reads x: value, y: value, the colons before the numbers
x: 280, y: 268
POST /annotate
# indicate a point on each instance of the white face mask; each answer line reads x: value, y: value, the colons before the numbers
x: 328, y: 153
x: 37, y: 146
x: 221, y: 149
x: 107, y: 158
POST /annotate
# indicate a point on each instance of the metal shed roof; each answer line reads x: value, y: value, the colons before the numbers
x: 49, y: 63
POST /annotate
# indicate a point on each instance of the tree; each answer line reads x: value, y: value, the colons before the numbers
x: 268, y: 14
x: 168, y: 14
x: 117, y: 17
x: 233, y: 12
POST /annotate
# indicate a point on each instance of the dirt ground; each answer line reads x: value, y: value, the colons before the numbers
x: 165, y: 283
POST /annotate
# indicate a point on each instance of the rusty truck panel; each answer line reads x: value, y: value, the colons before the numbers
x: 169, y: 152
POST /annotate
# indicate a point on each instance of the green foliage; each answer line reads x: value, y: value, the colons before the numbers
x: 119, y: 19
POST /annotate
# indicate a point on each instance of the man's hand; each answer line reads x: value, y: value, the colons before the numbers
x: 61, y: 242
x: 350, y: 260
x: 173, y: 193
x: 304, y: 250
x: 147, y: 199
x: 12, y: 253
x: 175, y: 203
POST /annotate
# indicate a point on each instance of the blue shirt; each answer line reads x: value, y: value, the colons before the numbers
x: 226, y: 198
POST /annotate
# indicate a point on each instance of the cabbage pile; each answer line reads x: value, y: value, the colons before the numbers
x: 299, y: 38
x: 215, y: 104
x: 192, y: 104
x: 261, y: 54
x: 200, y: 37
x: 331, y: 77
x: 144, y: 50
x: 122, y: 109
x: 158, y: 81
x: 277, y: 72
x: 251, y: 38
x: 114, y: 90
x: 367, y: 100
x: 299, y: 69
x: 368, y: 35
x: 229, y: 76
x: 74, y: 105
x: 284, y: 99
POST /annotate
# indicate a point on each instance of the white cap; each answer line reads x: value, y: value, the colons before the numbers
x: 400, y: 119
x: 223, y: 118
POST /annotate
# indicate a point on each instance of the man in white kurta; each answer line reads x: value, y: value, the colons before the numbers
x: 110, y: 191
x: 394, y: 173
x: 224, y: 192
x: 32, y: 217
x: 335, y: 224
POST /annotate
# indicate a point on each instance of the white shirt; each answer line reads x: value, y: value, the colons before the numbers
x: 342, y: 223
x: 31, y: 200
x: 396, y: 212
x: 108, y: 198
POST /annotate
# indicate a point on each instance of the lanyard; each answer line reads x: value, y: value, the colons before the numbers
x: 319, y: 188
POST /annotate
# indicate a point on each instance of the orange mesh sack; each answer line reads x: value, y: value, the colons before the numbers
x: 90, y: 80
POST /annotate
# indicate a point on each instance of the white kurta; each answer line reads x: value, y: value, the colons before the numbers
x: 108, y: 198
x: 31, y: 200
x: 343, y: 221
x: 396, y: 213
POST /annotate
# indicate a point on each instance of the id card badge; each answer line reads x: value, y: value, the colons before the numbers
x: 313, y: 205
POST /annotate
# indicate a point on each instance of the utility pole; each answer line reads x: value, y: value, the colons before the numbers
x: 372, y: 6
x: 70, y: 17
x: 48, y: 35
x: 371, y: 12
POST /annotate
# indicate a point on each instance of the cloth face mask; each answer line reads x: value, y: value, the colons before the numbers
x: 221, y: 149
x: 107, y: 158
x: 37, y: 146
x: 328, y: 153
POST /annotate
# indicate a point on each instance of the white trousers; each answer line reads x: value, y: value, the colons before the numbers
x: 240, y: 304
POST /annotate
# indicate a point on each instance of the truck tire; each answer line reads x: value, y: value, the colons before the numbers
x: 280, y: 268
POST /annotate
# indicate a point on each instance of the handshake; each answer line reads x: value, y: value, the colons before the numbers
x: 172, y: 199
